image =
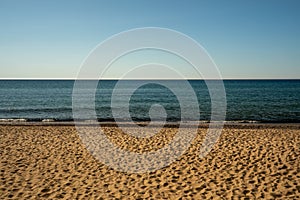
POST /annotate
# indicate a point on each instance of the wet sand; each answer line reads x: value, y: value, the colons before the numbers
x: 247, y: 162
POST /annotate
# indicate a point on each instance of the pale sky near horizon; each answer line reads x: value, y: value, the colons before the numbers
x: 246, y: 39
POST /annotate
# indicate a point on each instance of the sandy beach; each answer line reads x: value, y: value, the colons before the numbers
x: 248, y: 162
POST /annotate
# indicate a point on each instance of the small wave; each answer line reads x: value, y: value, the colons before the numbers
x: 34, y: 110
x: 13, y: 120
x: 108, y: 119
x: 243, y: 121
x: 48, y: 120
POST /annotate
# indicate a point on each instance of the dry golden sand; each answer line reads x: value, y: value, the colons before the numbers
x: 248, y: 162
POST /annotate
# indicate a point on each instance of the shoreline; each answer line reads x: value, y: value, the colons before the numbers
x: 238, y: 125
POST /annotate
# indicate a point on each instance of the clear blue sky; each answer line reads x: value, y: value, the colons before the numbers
x: 246, y: 39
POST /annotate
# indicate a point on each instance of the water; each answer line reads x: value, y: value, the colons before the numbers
x: 247, y: 100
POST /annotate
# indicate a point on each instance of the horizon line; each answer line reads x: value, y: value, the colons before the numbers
x: 149, y: 79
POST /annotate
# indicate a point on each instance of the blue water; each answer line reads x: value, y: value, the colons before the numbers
x: 247, y: 100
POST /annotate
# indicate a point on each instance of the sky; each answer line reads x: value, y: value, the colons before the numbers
x: 246, y: 39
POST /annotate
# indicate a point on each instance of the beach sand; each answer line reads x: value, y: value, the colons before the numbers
x: 247, y: 162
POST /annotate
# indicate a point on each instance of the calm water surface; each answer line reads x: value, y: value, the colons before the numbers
x: 247, y: 100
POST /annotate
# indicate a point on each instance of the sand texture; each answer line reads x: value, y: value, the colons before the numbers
x: 50, y: 162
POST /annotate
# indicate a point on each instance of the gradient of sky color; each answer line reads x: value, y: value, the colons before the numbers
x: 246, y: 39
